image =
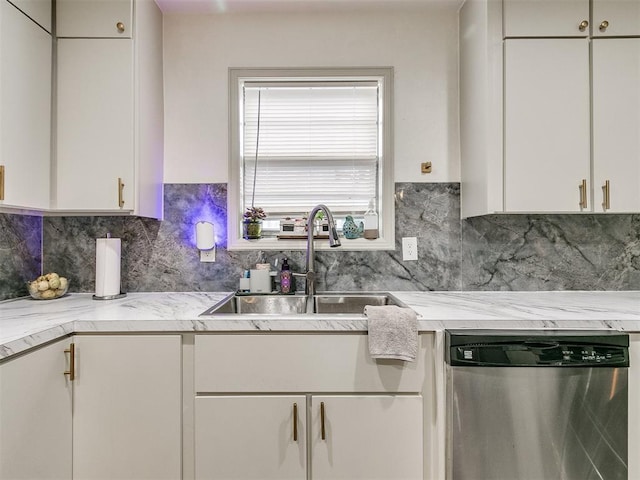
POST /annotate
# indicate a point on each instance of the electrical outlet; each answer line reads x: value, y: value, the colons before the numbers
x: 208, y: 255
x: 409, y: 248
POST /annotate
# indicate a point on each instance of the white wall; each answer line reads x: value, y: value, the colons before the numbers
x: 421, y: 45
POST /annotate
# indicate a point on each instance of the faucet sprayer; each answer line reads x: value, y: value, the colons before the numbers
x: 334, y: 241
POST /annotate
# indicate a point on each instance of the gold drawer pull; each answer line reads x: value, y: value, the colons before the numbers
x: 72, y: 362
x: 1, y: 182
x: 120, y: 192
x: 603, y: 26
x: 607, y: 195
x: 120, y: 27
x: 322, y: 429
x: 295, y: 422
x: 583, y: 193
x: 583, y: 25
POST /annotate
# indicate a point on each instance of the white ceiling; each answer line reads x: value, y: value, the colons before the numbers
x: 280, y: 6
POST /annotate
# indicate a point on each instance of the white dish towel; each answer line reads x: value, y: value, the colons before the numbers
x: 393, y: 332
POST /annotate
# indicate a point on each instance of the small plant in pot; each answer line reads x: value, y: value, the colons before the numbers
x: 252, y: 223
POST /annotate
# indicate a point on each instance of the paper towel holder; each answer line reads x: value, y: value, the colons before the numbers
x: 206, y: 241
x: 109, y: 297
x: 121, y: 294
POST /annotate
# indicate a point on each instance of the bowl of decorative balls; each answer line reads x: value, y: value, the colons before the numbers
x: 48, y: 287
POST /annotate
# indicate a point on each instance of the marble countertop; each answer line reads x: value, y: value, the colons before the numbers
x: 26, y: 323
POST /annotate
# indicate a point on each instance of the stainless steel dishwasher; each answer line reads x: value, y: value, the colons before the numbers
x: 536, y: 405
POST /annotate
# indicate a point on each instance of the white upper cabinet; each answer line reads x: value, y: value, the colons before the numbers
x: 38, y: 10
x: 110, y: 125
x: 546, y: 18
x: 616, y: 18
x: 570, y: 18
x: 546, y: 127
x: 616, y: 124
x: 25, y: 110
x: 95, y: 125
x: 94, y: 18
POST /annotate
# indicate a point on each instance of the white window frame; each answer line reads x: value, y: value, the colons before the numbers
x: 386, y: 207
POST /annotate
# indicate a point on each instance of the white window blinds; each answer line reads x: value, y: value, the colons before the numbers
x: 318, y: 143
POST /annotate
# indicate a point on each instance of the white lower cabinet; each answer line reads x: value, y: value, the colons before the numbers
x: 351, y: 437
x: 307, y: 407
x: 35, y: 415
x: 367, y: 437
x: 634, y: 401
x: 127, y: 412
x: 251, y: 437
x: 120, y: 417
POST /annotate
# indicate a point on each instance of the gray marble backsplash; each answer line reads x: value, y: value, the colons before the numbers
x: 20, y: 253
x: 495, y: 252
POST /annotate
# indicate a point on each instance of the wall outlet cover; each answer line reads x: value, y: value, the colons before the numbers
x: 409, y: 248
x: 208, y: 255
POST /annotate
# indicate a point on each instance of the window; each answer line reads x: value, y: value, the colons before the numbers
x: 304, y: 137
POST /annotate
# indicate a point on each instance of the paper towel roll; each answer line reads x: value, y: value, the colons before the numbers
x: 107, y: 267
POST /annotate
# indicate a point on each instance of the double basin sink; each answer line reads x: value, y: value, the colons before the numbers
x: 323, y: 303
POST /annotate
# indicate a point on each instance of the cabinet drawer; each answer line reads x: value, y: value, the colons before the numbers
x: 301, y: 363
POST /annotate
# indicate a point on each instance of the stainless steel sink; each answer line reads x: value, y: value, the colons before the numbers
x: 323, y: 303
x: 262, y: 304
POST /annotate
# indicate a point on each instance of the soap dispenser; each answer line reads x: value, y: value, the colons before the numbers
x: 285, y: 277
x: 371, y: 221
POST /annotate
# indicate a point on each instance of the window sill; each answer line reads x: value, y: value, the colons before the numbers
x: 270, y: 243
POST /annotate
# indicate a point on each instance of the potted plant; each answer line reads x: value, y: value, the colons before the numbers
x: 252, y: 222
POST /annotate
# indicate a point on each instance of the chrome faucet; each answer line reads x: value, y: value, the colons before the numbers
x: 334, y: 241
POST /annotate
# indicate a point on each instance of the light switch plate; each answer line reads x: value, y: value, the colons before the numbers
x: 409, y: 248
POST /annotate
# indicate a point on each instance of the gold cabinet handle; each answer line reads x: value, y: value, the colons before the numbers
x: 322, y: 429
x: 1, y: 182
x: 583, y: 193
x: 72, y: 362
x: 583, y: 25
x: 606, y: 204
x: 295, y: 422
x: 603, y: 25
x: 120, y: 27
x: 120, y: 192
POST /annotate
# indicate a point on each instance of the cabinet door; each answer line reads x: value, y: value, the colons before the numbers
x: 127, y: 407
x: 38, y: 10
x: 94, y: 19
x: 25, y: 109
x: 616, y: 123
x: 546, y: 122
x: 634, y: 401
x: 95, y: 124
x: 35, y: 414
x: 250, y: 437
x: 366, y: 437
x: 546, y: 18
x: 616, y: 18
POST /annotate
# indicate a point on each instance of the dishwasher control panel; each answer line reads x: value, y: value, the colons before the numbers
x: 537, y: 349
